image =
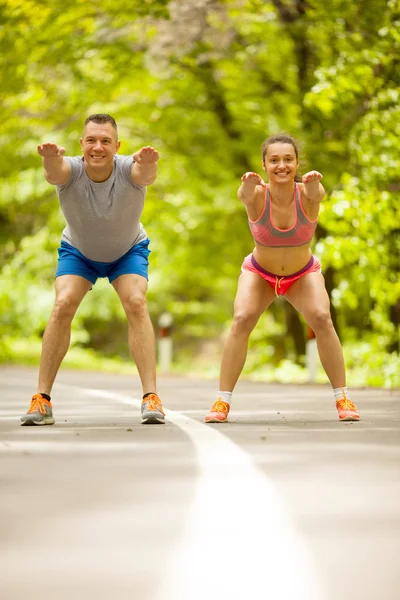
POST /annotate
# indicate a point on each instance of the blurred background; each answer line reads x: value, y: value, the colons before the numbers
x: 206, y: 82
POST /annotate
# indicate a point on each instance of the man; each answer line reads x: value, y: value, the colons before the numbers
x: 101, y: 195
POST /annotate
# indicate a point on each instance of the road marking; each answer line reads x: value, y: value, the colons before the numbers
x: 238, y: 541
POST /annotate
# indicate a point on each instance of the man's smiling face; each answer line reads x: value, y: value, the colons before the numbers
x: 99, y: 144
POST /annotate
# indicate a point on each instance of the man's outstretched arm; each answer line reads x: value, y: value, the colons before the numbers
x: 144, y: 170
x: 56, y: 169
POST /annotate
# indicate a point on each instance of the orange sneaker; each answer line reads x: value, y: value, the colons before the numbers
x: 347, y: 409
x: 152, y: 410
x: 40, y: 412
x: 218, y: 413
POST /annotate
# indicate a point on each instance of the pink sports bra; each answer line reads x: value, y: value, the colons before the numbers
x: 265, y: 233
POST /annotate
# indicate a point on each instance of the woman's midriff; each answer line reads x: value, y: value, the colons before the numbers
x: 282, y: 261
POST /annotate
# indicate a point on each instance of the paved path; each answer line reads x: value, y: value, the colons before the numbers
x: 284, y: 502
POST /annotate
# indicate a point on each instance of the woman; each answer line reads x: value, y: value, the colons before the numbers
x: 282, y: 217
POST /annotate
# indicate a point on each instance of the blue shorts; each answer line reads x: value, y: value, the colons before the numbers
x: 72, y: 262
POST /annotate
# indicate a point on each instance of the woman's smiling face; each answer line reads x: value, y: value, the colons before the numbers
x: 280, y: 162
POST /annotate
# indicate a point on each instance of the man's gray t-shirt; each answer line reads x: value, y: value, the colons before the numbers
x: 103, y: 219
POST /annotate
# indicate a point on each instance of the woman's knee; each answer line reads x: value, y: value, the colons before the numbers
x: 321, y: 320
x: 244, y: 321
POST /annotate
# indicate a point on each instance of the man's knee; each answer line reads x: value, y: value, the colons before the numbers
x: 135, y: 303
x: 65, y: 306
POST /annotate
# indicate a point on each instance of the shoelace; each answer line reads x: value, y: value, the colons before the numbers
x: 220, y: 406
x: 345, y: 403
x: 37, y: 403
x: 154, y: 403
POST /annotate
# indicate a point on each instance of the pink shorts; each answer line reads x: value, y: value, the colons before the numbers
x: 280, y: 284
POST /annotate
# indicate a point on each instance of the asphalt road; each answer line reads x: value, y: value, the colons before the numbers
x: 283, y: 502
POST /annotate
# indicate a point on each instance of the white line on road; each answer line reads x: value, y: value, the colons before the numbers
x: 238, y: 542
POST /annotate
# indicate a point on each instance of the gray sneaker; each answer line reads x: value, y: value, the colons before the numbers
x: 152, y: 410
x: 40, y: 412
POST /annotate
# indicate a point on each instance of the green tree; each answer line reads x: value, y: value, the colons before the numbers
x: 206, y: 83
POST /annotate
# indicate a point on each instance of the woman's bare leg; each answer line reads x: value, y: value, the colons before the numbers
x: 253, y: 297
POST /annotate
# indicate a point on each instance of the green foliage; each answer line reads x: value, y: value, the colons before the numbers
x: 206, y: 83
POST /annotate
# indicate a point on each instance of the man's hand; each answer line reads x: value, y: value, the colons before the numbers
x: 56, y: 169
x: 146, y: 156
x: 144, y: 170
x: 50, y: 150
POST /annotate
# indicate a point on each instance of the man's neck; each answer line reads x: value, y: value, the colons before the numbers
x: 98, y: 176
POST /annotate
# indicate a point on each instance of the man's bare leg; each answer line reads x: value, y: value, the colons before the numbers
x: 132, y: 292
x: 142, y: 346
x: 70, y: 291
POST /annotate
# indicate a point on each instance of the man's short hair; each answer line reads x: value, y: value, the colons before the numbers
x: 102, y: 118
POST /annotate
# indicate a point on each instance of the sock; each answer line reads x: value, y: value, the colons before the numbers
x: 148, y: 394
x: 45, y: 396
x: 339, y: 392
x: 225, y: 397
